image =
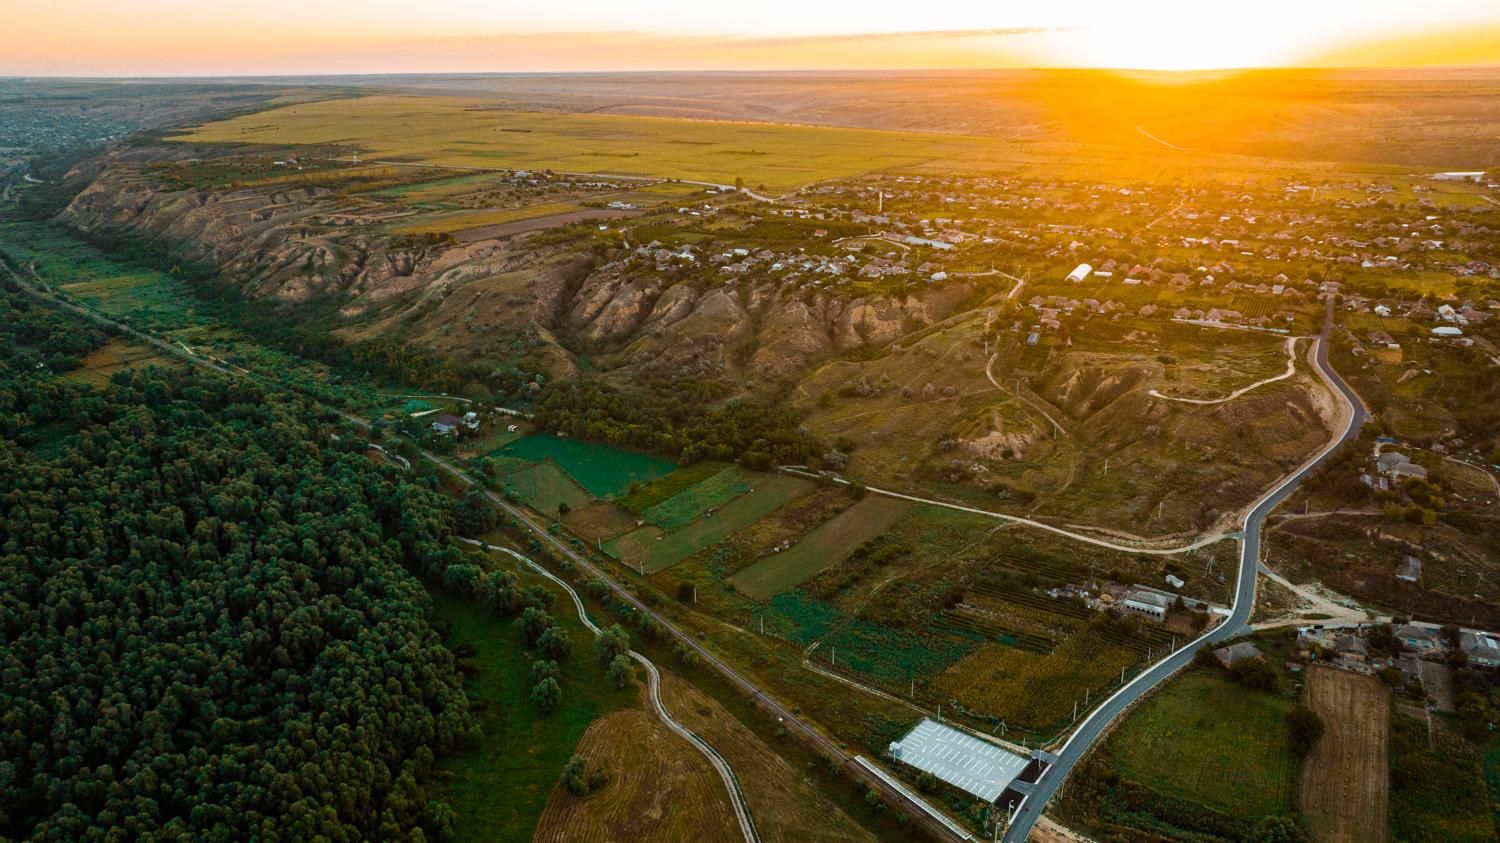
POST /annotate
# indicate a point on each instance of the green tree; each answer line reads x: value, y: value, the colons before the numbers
x: 621, y: 671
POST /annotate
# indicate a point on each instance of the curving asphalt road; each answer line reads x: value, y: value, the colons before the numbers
x: 737, y: 798
x: 1077, y: 744
x: 1100, y: 718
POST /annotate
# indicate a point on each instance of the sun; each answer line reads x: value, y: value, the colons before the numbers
x: 1178, y: 42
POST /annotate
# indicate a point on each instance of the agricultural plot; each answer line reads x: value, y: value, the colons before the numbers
x: 470, y: 133
x: 1344, y: 788
x: 825, y: 546
x: 660, y: 788
x: 1205, y: 739
x: 1438, y: 790
x: 605, y: 472
x: 684, y: 507
x: 447, y: 223
x: 889, y: 656
x: 543, y: 487
x: 647, y: 495
x: 654, y: 550
x: 116, y: 356
x: 1034, y: 690
x: 91, y: 276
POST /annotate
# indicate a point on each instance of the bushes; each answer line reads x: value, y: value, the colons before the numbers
x: 1304, y: 727
x: 621, y: 671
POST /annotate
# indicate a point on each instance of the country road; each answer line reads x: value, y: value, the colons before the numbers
x: 1202, y: 541
x: 921, y: 813
x: 1099, y: 720
x: 653, y: 690
x: 1077, y: 744
x: 1291, y: 370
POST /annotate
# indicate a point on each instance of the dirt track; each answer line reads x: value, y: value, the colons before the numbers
x: 1344, y: 787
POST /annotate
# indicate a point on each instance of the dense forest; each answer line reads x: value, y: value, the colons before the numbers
x: 209, y: 628
x: 688, y: 419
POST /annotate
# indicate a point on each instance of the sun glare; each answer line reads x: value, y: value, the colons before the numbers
x: 1175, y: 43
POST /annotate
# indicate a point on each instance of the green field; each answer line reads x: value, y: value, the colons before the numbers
x: 501, y: 785
x: 142, y: 295
x: 1206, y: 739
x: 542, y: 487
x: 604, y: 471
x: 464, y: 132
x: 684, y: 507
x: 655, y: 550
x: 650, y: 494
x: 824, y: 546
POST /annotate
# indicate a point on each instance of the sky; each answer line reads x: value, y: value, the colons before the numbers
x: 290, y: 37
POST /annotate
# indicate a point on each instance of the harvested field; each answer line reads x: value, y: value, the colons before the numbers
x: 825, y: 546
x: 788, y: 807
x: 542, y: 223
x: 1344, y: 790
x: 598, y: 520
x: 453, y: 221
x: 116, y: 356
x: 660, y: 788
x: 655, y: 551
x: 542, y: 487
x: 684, y: 507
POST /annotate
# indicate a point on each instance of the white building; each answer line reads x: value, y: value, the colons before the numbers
x: 958, y: 758
x: 1146, y: 603
x: 1080, y: 272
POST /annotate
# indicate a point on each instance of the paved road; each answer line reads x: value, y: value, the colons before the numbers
x: 1100, y: 718
x: 653, y: 689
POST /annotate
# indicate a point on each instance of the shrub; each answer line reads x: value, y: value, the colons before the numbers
x: 1304, y: 727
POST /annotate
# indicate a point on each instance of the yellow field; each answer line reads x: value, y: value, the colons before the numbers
x: 463, y: 132
x: 460, y: 220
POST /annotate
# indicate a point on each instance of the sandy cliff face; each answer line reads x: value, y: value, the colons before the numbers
x: 310, y: 244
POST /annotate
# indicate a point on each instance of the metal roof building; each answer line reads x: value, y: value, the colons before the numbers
x: 960, y: 759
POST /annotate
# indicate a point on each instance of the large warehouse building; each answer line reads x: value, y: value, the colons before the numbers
x: 960, y: 759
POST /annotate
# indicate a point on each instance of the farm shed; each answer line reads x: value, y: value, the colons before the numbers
x: 1236, y: 653
x: 960, y: 759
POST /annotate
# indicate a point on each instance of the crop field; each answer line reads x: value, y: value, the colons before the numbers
x: 892, y: 657
x: 1034, y: 690
x: 1206, y: 739
x: 447, y: 223
x: 655, y: 550
x: 1344, y: 788
x: 826, y: 545
x: 604, y: 471
x: 660, y: 788
x: 647, y: 495
x: 116, y: 356
x: 684, y: 507
x: 91, y: 276
x: 542, y: 487
x: 465, y: 132
x: 1438, y: 790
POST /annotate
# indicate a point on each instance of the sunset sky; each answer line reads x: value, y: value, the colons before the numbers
x: 267, y: 37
